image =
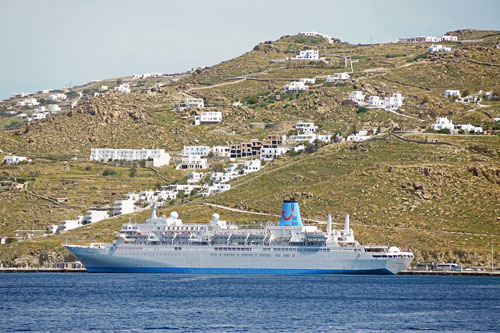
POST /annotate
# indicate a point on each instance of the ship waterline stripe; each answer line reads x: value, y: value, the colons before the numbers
x: 191, y: 270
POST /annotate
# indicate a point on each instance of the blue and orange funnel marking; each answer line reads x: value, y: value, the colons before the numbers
x: 290, y: 213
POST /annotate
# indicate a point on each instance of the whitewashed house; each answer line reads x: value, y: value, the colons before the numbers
x: 67, y: 225
x: 449, y: 38
x: 468, y: 128
x: 451, y: 93
x: 192, y: 162
x: 222, y: 177
x: 215, y: 189
x: 306, y: 80
x: 311, y: 55
x: 496, y: 120
x: 123, y: 88
x: 305, y: 127
x: 56, y: 98
x: 40, y: 109
x: 159, y: 157
x: 12, y: 159
x: 37, y: 116
x: 95, y: 215
x: 195, y: 151
x: 195, y: 177
x: 121, y: 207
x: 438, y: 48
x: 394, y: 101
x: 443, y: 123
x: 104, y: 88
x: 194, y: 103
x: 375, y: 101
x: 270, y: 153
x: 212, y: 117
x: 358, y: 137
x: 338, y: 78
x: 356, y: 96
x: 54, y: 108
x: 251, y: 166
x: 221, y: 151
x: 295, y: 87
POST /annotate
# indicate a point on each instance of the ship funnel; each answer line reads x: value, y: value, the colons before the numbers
x: 153, y: 211
x: 329, y: 224
x: 290, y: 213
x: 346, y: 222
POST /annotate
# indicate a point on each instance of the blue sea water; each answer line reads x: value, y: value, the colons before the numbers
x: 242, y: 303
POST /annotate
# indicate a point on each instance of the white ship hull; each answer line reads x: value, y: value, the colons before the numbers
x: 121, y: 258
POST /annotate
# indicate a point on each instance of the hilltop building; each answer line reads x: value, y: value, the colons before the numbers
x: 13, y: 159
x: 451, y: 93
x: 295, y: 86
x: 213, y: 117
x: 443, y: 123
x: 195, y: 151
x: 192, y: 162
x: 438, y: 48
x: 56, y: 98
x: 338, y: 78
x: 123, y: 88
x: 311, y: 55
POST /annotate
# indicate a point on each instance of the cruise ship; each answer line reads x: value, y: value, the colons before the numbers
x: 166, y: 245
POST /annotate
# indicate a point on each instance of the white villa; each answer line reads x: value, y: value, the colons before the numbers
x: 221, y: 151
x: 213, y: 117
x: 449, y: 38
x: 438, y: 48
x: 312, y: 55
x: 195, y: 177
x: 216, y: 188
x: 95, y: 215
x: 306, y: 80
x: 67, y: 225
x: 194, y: 103
x: 123, y: 88
x: 468, y: 128
x: 56, y: 98
x: 304, y: 127
x: 419, y: 39
x: 358, y: 137
x: 29, y: 102
x: 251, y: 166
x: 451, y: 93
x: 37, y: 116
x: 356, y: 96
x: 121, y: 207
x: 314, y: 34
x: 394, y: 101
x: 12, y: 159
x: 193, y: 162
x: 443, y: 123
x: 269, y: 154
x: 104, y: 88
x: 54, y: 108
x: 195, y: 151
x: 338, y: 78
x: 295, y: 87
x: 159, y: 157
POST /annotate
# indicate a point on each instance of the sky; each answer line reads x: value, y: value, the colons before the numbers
x: 50, y: 44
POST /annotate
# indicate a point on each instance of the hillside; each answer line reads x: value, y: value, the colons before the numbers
x: 442, y: 201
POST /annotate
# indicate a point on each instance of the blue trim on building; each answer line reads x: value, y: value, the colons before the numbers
x: 188, y: 270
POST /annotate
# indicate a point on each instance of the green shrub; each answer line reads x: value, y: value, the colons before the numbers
x: 109, y: 172
x: 133, y: 172
x: 445, y: 131
x: 361, y: 110
x: 420, y: 56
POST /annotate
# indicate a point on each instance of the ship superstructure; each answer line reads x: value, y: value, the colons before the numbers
x: 165, y: 244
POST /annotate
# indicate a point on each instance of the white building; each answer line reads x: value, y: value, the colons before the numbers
x: 123, y: 88
x: 121, y: 207
x: 216, y: 188
x: 67, y: 225
x: 451, y: 93
x: 311, y: 55
x: 304, y: 127
x: 104, y: 88
x: 468, y: 128
x: 306, y: 80
x: 195, y: 151
x: 358, y: 137
x: 496, y: 120
x: 29, y: 102
x: 251, y: 166
x: 295, y: 86
x: 221, y: 151
x: 54, y: 108
x: 213, y: 117
x: 449, y: 38
x: 193, y: 162
x: 375, y: 101
x: 269, y: 154
x: 95, y: 215
x: 56, y: 98
x: 419, y: 39
x: 194, y: 103
x: 37, y: 116
x: 394, y: 101
x: 159, y: 157
x: 438, y: 48
x: 356, y: 96
x: 314, y: 34
x: 223, y: 177
x: 443, y: 123
x: 338, y: 78
x: 12, y: 159
x: 195, y: 177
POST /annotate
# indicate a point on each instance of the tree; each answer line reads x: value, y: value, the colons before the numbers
x: 132, y: 173
x: 361, y: 110
x: 109, y: 172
